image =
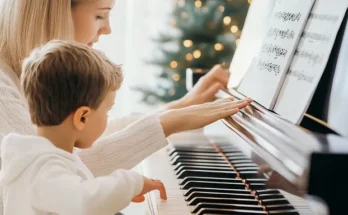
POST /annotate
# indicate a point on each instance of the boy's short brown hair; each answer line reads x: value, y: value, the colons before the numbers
x: 62, y: 76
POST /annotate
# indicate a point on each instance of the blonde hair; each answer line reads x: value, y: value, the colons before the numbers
x: 27, y: 24
x: 62, y: 76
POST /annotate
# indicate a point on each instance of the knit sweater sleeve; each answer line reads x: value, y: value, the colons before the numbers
x: 125, y: 148
x: 14, y: 113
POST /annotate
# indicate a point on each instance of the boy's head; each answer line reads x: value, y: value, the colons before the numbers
x: 70, y: 83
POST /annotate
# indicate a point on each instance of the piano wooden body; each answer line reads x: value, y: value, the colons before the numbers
x: 256, y: 162
x: 251, y: 163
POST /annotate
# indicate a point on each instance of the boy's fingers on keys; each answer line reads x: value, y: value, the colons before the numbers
x: 161, y: 189
x: 138, y: 199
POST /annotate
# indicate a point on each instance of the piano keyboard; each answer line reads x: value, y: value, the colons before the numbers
x: 212, y: 179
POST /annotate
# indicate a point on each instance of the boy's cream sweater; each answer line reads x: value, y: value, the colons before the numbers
x: 39, y: 178
x: 116, y: 149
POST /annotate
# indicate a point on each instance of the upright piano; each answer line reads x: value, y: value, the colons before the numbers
x: 257, y: 162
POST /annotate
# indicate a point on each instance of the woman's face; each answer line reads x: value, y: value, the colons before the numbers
x: 91, y: 19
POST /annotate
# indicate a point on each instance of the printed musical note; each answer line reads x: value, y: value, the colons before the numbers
x: 271, y: 49
x: 312, y: 57
x: 317, y: 36
x: 269, y: 66
x: 324, y: 17
x: 278, y: 33
x: 300, y: 75
x: 287, y: 16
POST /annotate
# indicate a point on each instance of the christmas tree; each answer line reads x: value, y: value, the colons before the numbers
x: 198, y: 34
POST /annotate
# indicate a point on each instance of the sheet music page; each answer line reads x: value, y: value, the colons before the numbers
x: 266, y: 75
x: 254, y: 31
x: 310, y: 58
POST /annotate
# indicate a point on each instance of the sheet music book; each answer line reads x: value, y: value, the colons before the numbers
x: 284, y: 74
x: 267, y: 72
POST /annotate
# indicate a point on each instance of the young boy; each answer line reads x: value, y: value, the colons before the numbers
x: 70, y: 88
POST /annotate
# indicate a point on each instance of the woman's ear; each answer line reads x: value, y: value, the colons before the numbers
x: 80, y: 117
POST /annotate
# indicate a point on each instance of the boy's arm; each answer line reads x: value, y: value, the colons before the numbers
x: 57, y: 189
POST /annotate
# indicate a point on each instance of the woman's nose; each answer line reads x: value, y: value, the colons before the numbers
x: 106, y: 29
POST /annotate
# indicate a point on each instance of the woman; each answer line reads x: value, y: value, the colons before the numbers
x: 26, y: 24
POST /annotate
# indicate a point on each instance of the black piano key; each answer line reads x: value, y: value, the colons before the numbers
x: 280, y: 207
x: 221, y: 190
x: 200, y: 147
x: 237, y: 201
x: 256, y: 180
x: 178, y: 165
x: 201, y: 167
x: 284, y: 212
x: 253, y: 168
x: 257, y: 186
x: 267, y: 191
x: 190, y: 184
x: 218, y: 211
x: 173, y: 150
x: 249, y: 174
x: 235, y: 154
x: 269, y: 202
x: 244, y: 161
x: 206, y: 154
x: 203, y: 173
x: 245, y: 165
x: 207, y: 205
x: 270, y: 196
x: 206, y: 168
x: 212, y: 179
x: 202, y: 161
x: 178, y: 159
x: 216, y: 194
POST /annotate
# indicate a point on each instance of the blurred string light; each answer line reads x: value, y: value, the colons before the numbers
x: 173, y: 22
x: 234, y: 29
x: 173, y: 64
x: 198, y: 3
x: 237, y: 42
x: 222, y: 9
x: 227, y: 20
x: 181, y: 3
x: 176, y: 77
x: 197, y: 54
x: 184, y: 15
x: 249, y: 1
x: 188, y: 43
x: 219, y: 47
x: 189, y: 57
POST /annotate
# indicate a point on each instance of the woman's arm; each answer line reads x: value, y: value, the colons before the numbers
x: 125, y: 148
x: 118, y: 123
x: 14, y: 113
x: 147, y: 135
x: 205, y: 89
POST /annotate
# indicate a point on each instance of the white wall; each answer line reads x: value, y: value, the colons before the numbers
x: 132, y: 21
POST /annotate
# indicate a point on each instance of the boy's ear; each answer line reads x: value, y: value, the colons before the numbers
x: 80, y: 117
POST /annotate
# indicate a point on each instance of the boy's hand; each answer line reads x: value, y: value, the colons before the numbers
x: 198, y: 116
x: 150, y: 185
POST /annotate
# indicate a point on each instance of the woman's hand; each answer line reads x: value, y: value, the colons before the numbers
x: 198, y: 116
x: 205, y: 89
